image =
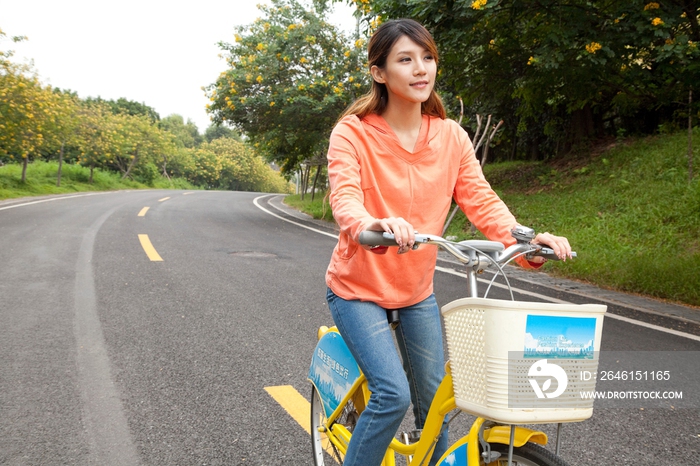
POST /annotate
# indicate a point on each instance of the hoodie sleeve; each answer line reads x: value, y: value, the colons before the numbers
x: 347, y: 197
x: 477, y: 199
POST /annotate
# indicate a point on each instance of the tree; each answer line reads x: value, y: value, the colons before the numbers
x: 6, y: 54
x: 142, y: 146
x: 128, y: 107
x: 221, y: 131
x: 97, y: 137
x: 29, y: 111
x: 561, y: 71
x: 122, y: 135
x: 178, y: 162
x: 62, y: 130
x: 228, y: 164
x: 291, y: 75
x: 186, y: 134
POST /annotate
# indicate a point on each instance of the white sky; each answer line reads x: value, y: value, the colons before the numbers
x: 156, y: 52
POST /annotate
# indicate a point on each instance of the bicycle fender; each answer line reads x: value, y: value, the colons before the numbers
x: 456, y: 455
x: 523, y: 435
x: 333, y: 370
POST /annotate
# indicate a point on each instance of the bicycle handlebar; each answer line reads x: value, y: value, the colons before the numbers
x: 378, y: 238
x: 470, y: 252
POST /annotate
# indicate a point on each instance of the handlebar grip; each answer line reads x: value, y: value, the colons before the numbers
x: 377, y: 238
x: 548, y: 254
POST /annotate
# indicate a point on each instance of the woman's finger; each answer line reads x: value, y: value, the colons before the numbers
x: 558, y: 244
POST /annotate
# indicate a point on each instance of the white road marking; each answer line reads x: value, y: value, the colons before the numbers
x: 51, y: 200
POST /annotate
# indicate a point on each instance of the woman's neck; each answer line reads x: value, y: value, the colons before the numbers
x: 406, y: 122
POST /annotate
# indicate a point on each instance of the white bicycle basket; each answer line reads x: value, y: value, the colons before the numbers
x: 523, y: 362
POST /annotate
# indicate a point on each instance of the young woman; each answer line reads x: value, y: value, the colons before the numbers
x: 394, y: 164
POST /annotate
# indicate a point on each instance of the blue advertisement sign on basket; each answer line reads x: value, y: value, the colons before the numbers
x: 555, y: 337
x: 333, y: 370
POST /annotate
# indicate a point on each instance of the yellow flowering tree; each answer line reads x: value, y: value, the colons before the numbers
x: 140, y: 146
x: 121, y: 135
x: 61, y: 129
x: 97, y: 138
x: 29, y: 114
x: 131, y: 144
x: 560, y: 71
x: 290, y: 76
x: 225, y: 163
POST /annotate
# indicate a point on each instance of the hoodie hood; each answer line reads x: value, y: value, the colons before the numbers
x: 429, y: 131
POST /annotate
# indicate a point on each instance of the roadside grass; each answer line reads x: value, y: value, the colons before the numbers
x: 628, y: 210
x: 318, y: 208
x: 41, y: 180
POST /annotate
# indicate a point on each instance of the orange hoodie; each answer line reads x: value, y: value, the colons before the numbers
x: 372, y: 176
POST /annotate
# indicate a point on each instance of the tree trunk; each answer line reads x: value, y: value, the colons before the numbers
x: 484, y: 155
x: 24, y: 169
x: 92, y: 169
x: 449, y: 220
x: 461, y: 111
x: 165, y: 171
x: 485, y: 152
x: 60, y: 165
x: 313, y: 188
x: 582, y: 125
x: 305, y: 180
x: 483, y: 135
x: 690, y: 134
x: 475, y: 139
x: 131, y: 165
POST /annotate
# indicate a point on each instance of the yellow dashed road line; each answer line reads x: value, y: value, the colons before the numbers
x: 297, y: 407
x: 295, y: 404
x: 143, y: 211
x: 164, y: 199
x: 149, y: 249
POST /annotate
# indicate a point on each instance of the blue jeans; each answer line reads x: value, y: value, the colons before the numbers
x: 395, y: 382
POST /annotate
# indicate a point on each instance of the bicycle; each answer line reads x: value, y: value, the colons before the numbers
x: 339, y: 389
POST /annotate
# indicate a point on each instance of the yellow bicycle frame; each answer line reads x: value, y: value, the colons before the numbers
x: 442, y: 404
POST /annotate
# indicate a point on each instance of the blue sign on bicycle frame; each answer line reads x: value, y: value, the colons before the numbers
x: 333, y: 371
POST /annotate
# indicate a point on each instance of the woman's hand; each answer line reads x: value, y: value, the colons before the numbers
x: 403, y: 232
x: 558, y: 244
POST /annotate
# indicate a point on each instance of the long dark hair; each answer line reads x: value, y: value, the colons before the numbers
x: 380, y: 45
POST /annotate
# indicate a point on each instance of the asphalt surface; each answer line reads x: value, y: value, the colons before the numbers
x: 107, y: 357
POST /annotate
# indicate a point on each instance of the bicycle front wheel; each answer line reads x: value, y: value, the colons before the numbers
x: 527, y: 455
x: 325, y: 453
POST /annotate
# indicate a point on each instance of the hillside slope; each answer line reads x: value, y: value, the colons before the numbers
x: 629, y: 210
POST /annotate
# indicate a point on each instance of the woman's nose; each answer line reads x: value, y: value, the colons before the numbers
x: 420, y: 68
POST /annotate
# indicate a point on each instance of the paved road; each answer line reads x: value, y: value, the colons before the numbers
x: 110, y: 357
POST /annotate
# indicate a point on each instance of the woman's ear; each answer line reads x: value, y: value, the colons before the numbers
x: 377, y: 74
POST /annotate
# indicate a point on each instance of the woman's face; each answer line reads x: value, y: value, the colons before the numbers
x: 409, y: 72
